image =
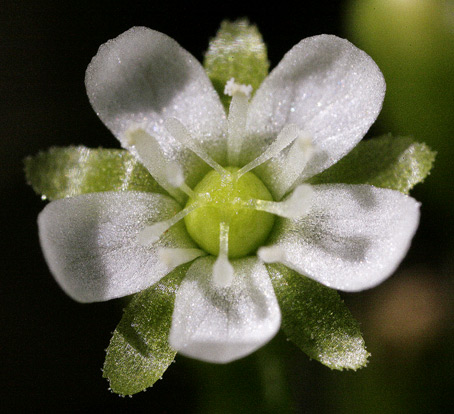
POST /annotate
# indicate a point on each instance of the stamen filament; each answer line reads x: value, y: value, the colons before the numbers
x: 288, y: 134
x: 237, y: 126
x: 297, y: 158
x: 222, y: 269
x: 182, y: 135
x: 151, y: 234
x: 296, y: 206
x: 184, y: 187
x: 152, y: 157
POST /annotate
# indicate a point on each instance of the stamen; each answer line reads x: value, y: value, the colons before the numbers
x: 237, y: 126
x: 297, y: 158
x: 175, y: 177
x: 151, y: 234
x: 271, y: 254
x: 222, y: 269
x: 174, y: 174
x: 153, y: 158
x: 296, y: 206
x: 288, y: 134
x: 173, y: 258
x: 182, y: 135
x: 232, y: 88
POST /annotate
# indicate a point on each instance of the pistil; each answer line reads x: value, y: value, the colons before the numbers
x: 248, y: 227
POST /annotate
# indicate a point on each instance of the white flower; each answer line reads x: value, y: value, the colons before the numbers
x: 313, y: 108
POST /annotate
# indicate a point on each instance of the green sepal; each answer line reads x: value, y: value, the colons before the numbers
x: 316, y: 319
x: 398, y: 163
x: 70, y: 171
x: 237, y: 51
x: 139, y: 353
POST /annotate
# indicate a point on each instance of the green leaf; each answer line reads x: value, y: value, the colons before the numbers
x: 398, y: 163
x: 237, y: 52
x: 138, y: 353
x: 71, y: 171
x: 316, y: 319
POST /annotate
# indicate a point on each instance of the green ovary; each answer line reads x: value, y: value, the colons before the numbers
x: 248, y: 228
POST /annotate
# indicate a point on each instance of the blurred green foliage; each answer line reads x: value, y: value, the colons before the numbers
x: 413, y: 44
x: 412, y: 41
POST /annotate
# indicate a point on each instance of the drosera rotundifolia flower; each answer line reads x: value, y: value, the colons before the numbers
x: 227, y: 217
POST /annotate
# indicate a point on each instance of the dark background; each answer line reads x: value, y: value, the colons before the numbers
x: 52, y: 349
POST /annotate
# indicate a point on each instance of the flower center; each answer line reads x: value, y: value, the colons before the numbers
x: 229, y: 199
x: 230, y: 212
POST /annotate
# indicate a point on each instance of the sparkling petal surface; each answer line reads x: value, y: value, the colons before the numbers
x: 353, y: 238
x: 143, y: 77
x: 90, y: 242
x: 223, y: 324
x: 327, y: 87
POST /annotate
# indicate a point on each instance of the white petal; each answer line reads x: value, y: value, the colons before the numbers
x: 143, y: 77
x: 353, y: 238
x: 327, y: 87
x: 218, y: 324
x: 90, y: 242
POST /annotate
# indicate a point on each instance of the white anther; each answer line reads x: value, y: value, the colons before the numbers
x: 304, y: 141
x: 297, y: 205
x: 271, y: 254
x: 172, y: 258
x: 175, y: 177
x: 183, y: 136
x: 174, y: 174
x: 152, y: 157
x: 232, y: 88
x: 288, y: 134
x: 222, y: 272
x: 130, y: 138
x: 151, y: 234
x: 222, y: 269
